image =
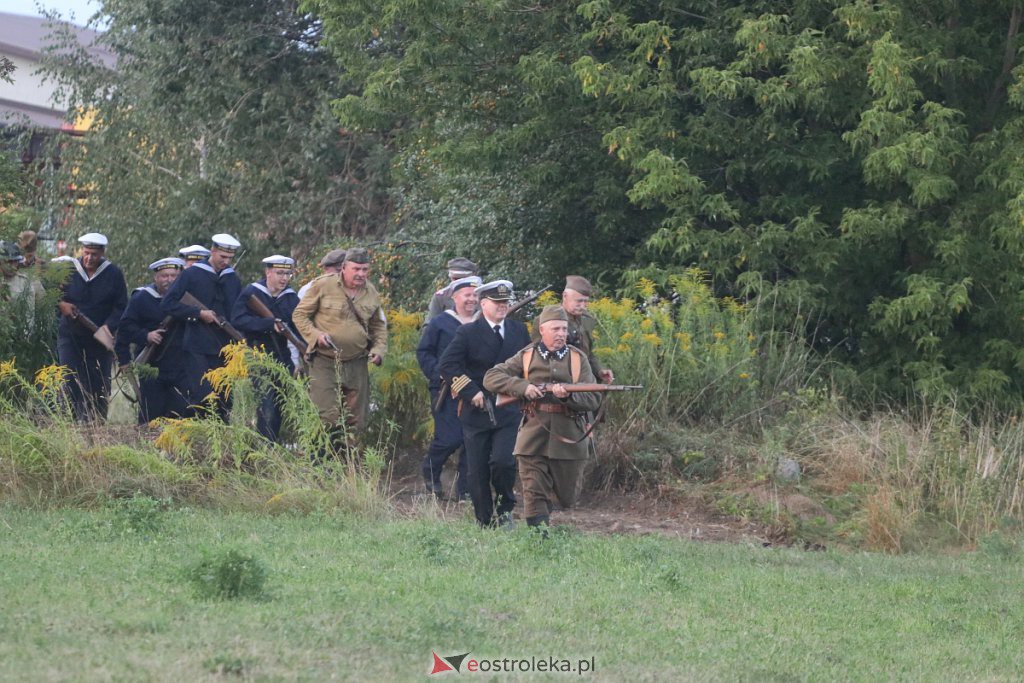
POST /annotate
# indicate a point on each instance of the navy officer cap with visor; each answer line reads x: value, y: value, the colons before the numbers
x: 496, y: 290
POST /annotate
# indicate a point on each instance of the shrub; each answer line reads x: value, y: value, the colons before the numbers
x: 227, y: 575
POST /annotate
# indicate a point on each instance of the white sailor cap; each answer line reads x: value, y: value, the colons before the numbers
x: 469, y: 281
x: 62, y: 259
x: 93, y: 239
x: 195, y: 252
x: 278, y: 261
x: 225, y: 242
x: 496, y: 290
x: 163, y: 263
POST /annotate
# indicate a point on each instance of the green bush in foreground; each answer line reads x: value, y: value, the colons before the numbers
x: 229, y: 574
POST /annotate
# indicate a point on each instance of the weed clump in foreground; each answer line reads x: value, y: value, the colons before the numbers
x: 229, y: 575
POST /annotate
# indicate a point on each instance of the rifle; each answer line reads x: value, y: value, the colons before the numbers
x: 502, y: 400
x: 102, y: 336
x: 147, y: 352
x: 527, y: 301
x: 228, y: 328
x: 260, y: 309
x: 133, y: 381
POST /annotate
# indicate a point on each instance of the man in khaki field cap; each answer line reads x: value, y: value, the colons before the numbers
x: 575, y: 299
x: 550, y: 448
x: 342, y: 320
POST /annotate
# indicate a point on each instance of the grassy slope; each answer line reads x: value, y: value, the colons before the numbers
x: 83, y: 598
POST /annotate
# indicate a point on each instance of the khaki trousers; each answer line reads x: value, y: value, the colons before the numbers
x: 546, y: 480
x: 340, y: 387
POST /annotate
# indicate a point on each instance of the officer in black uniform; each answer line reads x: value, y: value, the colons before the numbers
x: 475, y: 349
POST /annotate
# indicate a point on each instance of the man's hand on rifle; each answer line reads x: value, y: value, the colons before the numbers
x: 323, y: 339
x: 559, y: 390
x: 606, y: 376
x: 67, y: 309
x: 208, y: 316
x: 533, y: 392
x: 478, y: 400
x: 278, y: 327
x: 155, y: 337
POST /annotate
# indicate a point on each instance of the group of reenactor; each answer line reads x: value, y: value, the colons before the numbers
x: 511, y: 404
x: 498, y: 397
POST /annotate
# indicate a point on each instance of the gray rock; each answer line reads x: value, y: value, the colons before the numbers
x: 788, y: 470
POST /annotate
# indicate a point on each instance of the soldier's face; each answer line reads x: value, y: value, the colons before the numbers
x: 465, y: 301
x: 354, y: 274
x: 164, y: 278
x: 574, y: 303
x: 554, y: 333
x: 278, y: 279
x: 494, y: 310
x: 92, y: 257
x: 220, y: 259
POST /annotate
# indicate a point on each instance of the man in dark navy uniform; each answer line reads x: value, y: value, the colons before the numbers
x: 165, y: 394
x: 95, y: 290
x: 273, y: 291
x: 475, y: 349
x: 193, y: 254
x: 216, y: 285
x: 437, y: 334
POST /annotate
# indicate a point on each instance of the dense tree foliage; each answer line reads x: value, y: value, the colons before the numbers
x: 215, y: 117
x: 853, y: 162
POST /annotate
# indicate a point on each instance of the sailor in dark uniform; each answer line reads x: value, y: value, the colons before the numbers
x: 475, y: 349
x: 273, y: 291
x: 95, y: 290
x: 216, y: 285
x: 143, y: 324
x: 193, y: 254
x: 437, y: 334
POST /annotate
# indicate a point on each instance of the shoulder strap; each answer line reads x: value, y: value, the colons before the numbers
x: 574, y: 365
x: 527, y: 359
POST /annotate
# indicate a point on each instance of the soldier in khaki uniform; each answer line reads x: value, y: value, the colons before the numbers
x: 575, y: 299
x: 550, y: 448
x: 341, y: 317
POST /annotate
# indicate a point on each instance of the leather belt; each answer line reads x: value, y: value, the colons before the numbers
x: 553, y: 408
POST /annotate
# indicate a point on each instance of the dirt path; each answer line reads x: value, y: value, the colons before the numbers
x: 603, y: 513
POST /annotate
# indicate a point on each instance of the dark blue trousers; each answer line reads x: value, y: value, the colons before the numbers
x: 88, y: 386
x: 161, y: 398
x: 268, y: 412
x: 198, y: 365
x: 447, y: 440
x: 491, y: 464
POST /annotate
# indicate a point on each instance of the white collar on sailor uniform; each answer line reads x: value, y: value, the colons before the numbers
x: 85, y: 276
x: 149, y: 290
x: 263, y: 288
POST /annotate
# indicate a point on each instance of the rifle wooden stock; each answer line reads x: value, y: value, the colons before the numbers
x: 147, y: 352
x: 102, y: 336
x: 527, y: 301
x: 502, y: 400
x: 259, y: 308
x: 190, y: 300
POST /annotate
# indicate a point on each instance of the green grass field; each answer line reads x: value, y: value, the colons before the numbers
x: 104, y: 595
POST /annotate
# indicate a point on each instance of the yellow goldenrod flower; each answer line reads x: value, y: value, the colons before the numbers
x: 652, y: 339
x: 744, y: 375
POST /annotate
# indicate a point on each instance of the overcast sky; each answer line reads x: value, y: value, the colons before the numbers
x: 81, y: 9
